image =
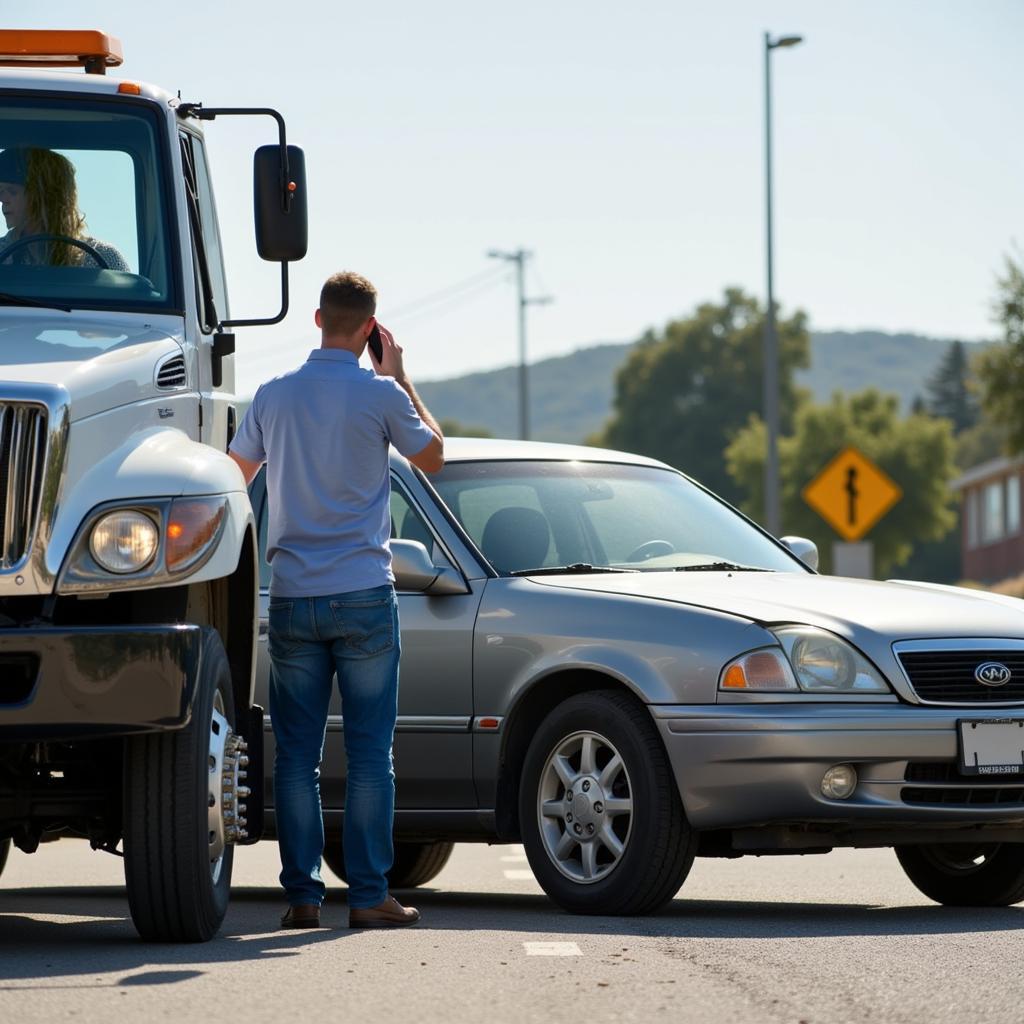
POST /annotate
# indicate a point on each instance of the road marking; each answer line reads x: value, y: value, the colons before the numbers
x: 516, y: 858
x: 519, y: 875
x: 552, y: 949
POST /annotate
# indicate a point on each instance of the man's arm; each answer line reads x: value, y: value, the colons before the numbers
x: 247, y: 466
x: 431, y: 458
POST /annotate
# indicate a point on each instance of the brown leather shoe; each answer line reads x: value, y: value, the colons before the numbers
x: 389, y: 914
x: 304, y: 915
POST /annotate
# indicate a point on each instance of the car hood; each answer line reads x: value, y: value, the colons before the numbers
x: 849, y: 607
x: 102, y: 362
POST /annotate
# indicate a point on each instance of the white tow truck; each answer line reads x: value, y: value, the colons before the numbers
x: 128, y: 578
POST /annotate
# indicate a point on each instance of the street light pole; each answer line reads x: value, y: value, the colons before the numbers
x: 519, y: 258
x: 770, y: 378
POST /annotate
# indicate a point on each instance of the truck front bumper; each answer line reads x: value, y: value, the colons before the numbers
x: 87, y: 682
x: 749, y: 766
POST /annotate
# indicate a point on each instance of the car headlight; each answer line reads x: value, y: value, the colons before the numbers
x: 810, y: 660
x: 124, y: 541
x: 824, y: 663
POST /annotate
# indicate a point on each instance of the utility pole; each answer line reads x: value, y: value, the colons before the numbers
x: 772, y: 488
x: 519, y: 258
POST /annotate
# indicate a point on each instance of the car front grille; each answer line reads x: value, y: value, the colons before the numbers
x: 947, y: 677
x: 22, y: 459
x: 941, y: 783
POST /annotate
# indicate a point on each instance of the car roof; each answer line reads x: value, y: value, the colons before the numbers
x: 488, y: 449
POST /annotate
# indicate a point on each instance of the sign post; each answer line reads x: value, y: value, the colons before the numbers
x: 851, y: 494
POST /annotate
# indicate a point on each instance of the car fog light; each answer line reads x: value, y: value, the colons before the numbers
x: 124, y: 541
x: 839, y: 781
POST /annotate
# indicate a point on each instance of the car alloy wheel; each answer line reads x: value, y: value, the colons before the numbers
x: 585, y: 807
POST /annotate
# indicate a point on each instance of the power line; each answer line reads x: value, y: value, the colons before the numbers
x: 442, y: 295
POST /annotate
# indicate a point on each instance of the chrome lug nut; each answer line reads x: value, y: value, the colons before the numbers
x: 586, y: 786
x: 590, y: 830
x: 598, y: 806
x: 243, y: 792
x: 568, y: 796
x: 568, y: 817
x: 577, y: 828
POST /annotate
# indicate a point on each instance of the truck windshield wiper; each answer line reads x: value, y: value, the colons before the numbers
x: 576, y: 569
x: 7, y: 299
x: 720, y: 567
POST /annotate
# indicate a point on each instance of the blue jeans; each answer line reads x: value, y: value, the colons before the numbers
x: 355, y: 636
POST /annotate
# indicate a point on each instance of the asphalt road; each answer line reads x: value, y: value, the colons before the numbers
x: 835, y: 938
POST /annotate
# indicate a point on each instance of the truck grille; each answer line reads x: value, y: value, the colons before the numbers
x: 939, y: 782
x: 22, y: 458
x: 947, y: 677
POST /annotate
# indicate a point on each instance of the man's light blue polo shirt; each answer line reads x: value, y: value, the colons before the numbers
x: 323, y: 431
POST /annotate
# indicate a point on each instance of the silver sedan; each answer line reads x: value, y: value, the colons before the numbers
x: 607, y: 663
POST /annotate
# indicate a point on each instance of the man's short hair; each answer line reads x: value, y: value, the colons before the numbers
x: 346, y: 301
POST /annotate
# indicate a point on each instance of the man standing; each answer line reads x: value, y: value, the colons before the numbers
x: 323, y: 431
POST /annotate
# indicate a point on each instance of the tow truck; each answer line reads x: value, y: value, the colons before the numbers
x: 128, y: 573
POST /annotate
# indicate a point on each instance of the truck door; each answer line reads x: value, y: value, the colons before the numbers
x: 433, y: 739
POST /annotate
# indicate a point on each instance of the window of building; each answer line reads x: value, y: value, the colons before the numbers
x: 973, y: 518
x: 992, y: 514
x: 1013, y: 504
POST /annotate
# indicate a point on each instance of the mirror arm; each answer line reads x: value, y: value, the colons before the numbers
x: 201, y: 113
x: 447, y: 581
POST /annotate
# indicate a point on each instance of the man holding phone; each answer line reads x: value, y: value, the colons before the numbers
x: 323, y: 431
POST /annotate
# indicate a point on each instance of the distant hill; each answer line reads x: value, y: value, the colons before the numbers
x: 571, y: 396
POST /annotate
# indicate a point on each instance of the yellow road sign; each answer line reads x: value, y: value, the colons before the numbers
x: 851, y: 494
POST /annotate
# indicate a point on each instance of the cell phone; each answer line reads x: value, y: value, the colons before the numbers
x: 375, y: 344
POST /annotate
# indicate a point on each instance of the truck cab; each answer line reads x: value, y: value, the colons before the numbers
x: 128, y: 578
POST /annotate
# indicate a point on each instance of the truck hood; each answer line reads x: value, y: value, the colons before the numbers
x: 849, y: 607
x: 102, y: 362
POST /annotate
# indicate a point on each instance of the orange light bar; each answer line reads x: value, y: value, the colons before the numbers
x: 59, y: 48
x: 130, y: 88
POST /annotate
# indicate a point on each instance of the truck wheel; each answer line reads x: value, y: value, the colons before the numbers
x: 5, y: 849
x: 965, y: 874
x: 415, y: 863
x: 180, y: 815
x: 599, y: 810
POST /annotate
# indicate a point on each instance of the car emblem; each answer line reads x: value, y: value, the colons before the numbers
x: 992, y: 673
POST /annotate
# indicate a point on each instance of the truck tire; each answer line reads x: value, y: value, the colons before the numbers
x: 599, y: 811
x: 5, y: 849
x: 177, y: 865
x: 415, y: 863
x: 965, y: 874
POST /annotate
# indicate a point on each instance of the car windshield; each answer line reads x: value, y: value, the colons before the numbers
x: 584, y: 515
x: 83, y: 197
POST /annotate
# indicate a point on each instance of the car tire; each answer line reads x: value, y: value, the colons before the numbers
x: 415, y: 863
x: 639, y: 858
x: 176, y: 891
x: 5, y: 849
x: 966, y: 875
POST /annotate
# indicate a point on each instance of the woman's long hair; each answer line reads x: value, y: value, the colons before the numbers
x: 51, y: 195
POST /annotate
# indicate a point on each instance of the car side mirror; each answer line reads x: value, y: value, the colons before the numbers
x: 804, y: 549
x: 414, y: 571
x: 279, y: 200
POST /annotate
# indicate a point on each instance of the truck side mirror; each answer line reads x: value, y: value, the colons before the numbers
x: 279, y: 198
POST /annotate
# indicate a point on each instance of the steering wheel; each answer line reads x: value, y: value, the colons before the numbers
x: 77, y: 242
x: 650, y: 549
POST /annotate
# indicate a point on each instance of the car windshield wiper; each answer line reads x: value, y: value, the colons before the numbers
x: 7, y: 299
x: 720, y: 567
x: 576, y: 569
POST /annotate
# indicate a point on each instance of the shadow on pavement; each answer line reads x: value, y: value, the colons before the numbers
x: 104, y: 940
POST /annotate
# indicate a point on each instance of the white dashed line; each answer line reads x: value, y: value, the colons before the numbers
x: 552, y: 949
x: 516, y: 858
x: 519, y: 875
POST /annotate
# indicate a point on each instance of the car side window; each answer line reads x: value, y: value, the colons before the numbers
x: 476, y: 506
x: 406, y: 521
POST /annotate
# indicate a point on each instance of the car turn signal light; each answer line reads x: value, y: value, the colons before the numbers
x: 766, y: 669
x: 192, y: 527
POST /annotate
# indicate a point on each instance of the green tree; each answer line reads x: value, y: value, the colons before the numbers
x: 1001, y: 367
x: 916, y: 451
x: 683, y: 394
x: 453, y: 428
x: 949, y: 389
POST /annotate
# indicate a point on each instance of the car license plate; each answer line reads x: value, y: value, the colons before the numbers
x: 991, y: 746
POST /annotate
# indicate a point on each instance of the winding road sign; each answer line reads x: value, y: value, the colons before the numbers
x: 851, y: 494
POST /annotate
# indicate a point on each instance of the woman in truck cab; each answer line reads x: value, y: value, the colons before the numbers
x: 39, y: 200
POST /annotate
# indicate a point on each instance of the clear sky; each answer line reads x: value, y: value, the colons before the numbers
x: 622, y: 143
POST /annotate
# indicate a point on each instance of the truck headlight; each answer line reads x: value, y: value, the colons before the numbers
x: 824, y: 663
x: 124, y: 541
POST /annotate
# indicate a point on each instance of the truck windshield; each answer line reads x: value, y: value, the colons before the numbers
x: 84, y: 204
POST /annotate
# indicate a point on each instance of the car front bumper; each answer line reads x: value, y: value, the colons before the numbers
x: 86, y: 682
x: 745, y: 766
